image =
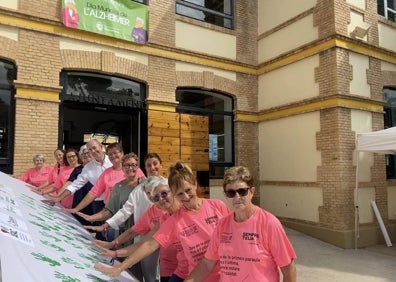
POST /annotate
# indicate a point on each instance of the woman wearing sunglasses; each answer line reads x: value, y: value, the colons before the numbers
x: 193, y: 225
x: 165, y: 205
x: 250, y: 243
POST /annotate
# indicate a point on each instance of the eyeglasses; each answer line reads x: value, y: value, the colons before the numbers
x: 159, y: 196
x: 241, y: 192
x: 128, y: 166
x: 71, y: 156
x: 110, y: 154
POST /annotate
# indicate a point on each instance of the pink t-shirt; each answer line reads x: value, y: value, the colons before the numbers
x: 193, y: 229
x: 140, y: 173
x: 105, y: 183
x: 168, y: 255
x: 56, y: 170
x: 36, y: 178
x: 61, y: 179
x: 252, y: 250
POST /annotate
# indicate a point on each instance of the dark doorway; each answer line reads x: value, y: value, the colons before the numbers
x: 81, y: 122
x: 108, y: 108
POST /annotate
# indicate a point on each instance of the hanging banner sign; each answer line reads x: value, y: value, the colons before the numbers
x: 123, y: 19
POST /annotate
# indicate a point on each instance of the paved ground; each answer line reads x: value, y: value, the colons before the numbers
x: 318, y: 261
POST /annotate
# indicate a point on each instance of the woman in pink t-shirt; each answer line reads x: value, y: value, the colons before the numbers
x: 250, y: 243
x: 193, y: 225
x: 38, y: 174
x: 71, y: 159
x: 56, y: 169
x: 165, y: 205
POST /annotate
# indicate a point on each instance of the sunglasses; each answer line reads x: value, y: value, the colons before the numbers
x: 159, y: 196
x: 241, y: 192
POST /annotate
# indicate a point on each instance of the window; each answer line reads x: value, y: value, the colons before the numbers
x: 7, y: 113
x: 219, y: 109
x: 217, y: 12
x: 387, y: 8
x: 140, y: 1
x: 389, y: 95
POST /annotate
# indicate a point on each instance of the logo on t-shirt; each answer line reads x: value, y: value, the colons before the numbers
x: 212, y: 219
x: 189, y: 230
x: 225, y: 238
x: 248, y: 236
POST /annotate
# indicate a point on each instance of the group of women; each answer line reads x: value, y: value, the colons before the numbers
x: 196, y: 239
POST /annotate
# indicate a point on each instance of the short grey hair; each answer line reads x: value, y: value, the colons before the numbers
x: 82, y: 148
x: 38, y: 156
x: 151, y: 182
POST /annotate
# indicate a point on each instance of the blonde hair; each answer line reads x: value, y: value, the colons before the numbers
x: 179, y: 172
x: 238, y: 173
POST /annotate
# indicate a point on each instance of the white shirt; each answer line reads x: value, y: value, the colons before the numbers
x: 90, y: 173
x: 136, y: 204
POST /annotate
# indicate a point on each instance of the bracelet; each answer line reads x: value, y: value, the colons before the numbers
x: 114, y: 258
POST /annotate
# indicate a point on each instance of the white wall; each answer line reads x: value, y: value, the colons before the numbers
x: 288, y: 148
x: 288, y: 38
x: 358, y: 84
x: 293, y: 202
x: 202, y: 40
x: 291, y: 83
x: 9, y: 32
x: 272, y: 13
x: 387, y: 36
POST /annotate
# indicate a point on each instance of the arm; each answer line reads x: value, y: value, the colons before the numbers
x: 89, y: 198
x: 289, y: 272
x: 60, y: 197
x: 203, y: 268
x: 145, y: 249
x: 99, y: 216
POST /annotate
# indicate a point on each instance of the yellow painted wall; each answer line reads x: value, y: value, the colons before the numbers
x: 71, y: 44
x: 272, y: 13
x: 362, y: 122
x: 288, y: 38
x: 387, y: 35
x: 181, y: 66
x: 215, y: 43
x: 360, y: 65
x: 9, y: 32
x: 288, y: 84
x: 292, y: 202
x: 358, y: 3
x: 288, y: 148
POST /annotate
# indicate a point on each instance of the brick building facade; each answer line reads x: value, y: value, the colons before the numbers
x: 302, y: 83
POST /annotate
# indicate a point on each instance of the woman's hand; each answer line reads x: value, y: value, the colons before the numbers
x: 94, y: 228
x: 71, y: 210
x: 107, y: 252
x: 87, y: 217
x: 110, y: 271
x: 103, y: 244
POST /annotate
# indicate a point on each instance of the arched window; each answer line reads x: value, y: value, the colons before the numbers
x: 389, y: 96
x: 219, y: 109
x: 107, y: 108
x: 7, y: 115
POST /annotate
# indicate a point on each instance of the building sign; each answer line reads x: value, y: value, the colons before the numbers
x: 123, y: 19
